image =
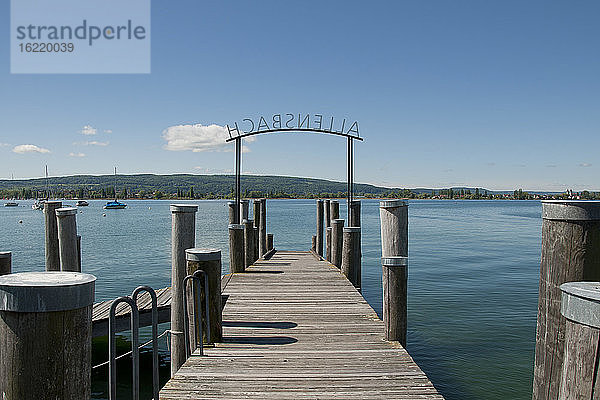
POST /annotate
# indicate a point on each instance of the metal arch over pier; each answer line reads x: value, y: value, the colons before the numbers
x: 303, y: 125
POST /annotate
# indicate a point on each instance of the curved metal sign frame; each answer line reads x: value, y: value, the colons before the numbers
x: 240, y: 134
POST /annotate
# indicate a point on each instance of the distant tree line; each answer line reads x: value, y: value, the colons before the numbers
x: 222, y: 187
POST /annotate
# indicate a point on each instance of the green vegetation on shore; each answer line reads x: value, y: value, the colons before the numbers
x: 184, y: 186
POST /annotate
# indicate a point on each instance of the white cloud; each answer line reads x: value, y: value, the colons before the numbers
x: 29, y: 148
x: 4, y: 144
x: 95, y: 143
x: 108, y: 131
x: 199, y: 138
x: 585, y: 164
x: 88, y: 130
x: 76, y: 154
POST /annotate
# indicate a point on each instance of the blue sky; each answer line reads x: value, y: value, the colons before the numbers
x: 495, y: 94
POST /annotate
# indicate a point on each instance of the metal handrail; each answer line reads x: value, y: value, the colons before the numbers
x: 155, y: 376
x: 195, y: 278
x: 112, y: 348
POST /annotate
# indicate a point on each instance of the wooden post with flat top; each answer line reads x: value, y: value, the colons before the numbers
x: 236, y: 248
x: 570, y: 253
x: 209, y: 261
x: 337, y: 241
x: 320, y: 227
x: 51, y: 237
x: 351, y: 265
x: 66, y: 219
x: 393, y: 216
x: 183, y: 237
x: 46, y: 331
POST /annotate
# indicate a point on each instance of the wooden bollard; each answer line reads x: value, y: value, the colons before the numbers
x: 236, y: 248
x: 67, y: 239
x: 393, y: 215
x: 79, y: 252
x: 244, y: 209
x: 262, y: 228
x: 209, y: 261
x: 51, y: 237
x: 183, y: 237
x: 249, y: 243
x: 570, y: 253
x: 395, y: 274
x: 231, y: 207
x: 269, y: 241
x: 355, y: 213
x: 334, y: 210
x: 46, y: 331
x: 581, y: 309
x: 313, y: 245
x: 337, y: 241
x: 328, y: 242
x: 320, y: 227
x: 351, y: 265
x: 256, y: 212
x: 5, y: 262
x: 327, y: 212
x: 256, y: 256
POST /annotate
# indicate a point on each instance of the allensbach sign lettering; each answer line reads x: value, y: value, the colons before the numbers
x: 294, y: 122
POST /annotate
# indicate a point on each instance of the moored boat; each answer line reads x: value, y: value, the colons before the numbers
x: 11, y: 204
x: 114, y: 205
x: 82, y: 203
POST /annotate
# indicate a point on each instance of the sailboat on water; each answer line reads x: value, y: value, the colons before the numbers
x: 115, y: 205
x: 39, y: 203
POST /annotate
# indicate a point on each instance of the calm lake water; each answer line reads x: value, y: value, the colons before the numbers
x: 472, y: 289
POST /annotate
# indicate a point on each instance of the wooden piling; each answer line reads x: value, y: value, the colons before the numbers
x: 231, y: 207
x: 79, y: 252
x: 51, y: 237
x: 334, y: 212
x: 269, y: 241
x: 355, y: 213
x: 183, y: 237
x: 320, y: 227
x: 209, y: 261
x: 46, y: 331
x: 256, y: 256
x: 262, y: 228
x: 249, y: 243
x: 570, y: 252
x: 67, y: 239
x: 328, y: 243
x: 256, y: 212
x: 236, y: 248
x: 5, y: 262
x: 351, y: 265
x: 581, y: 309
x: 313, y: 245
x: 327, y: 211
x: 395, y: 274
x: 337, y: 241
x: 244, y: 209
x: 393, y: 215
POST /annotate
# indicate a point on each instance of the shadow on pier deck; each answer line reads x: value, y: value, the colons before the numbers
x: 295, y: 328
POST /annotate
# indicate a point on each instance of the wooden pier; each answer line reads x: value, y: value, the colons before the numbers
x: 295, y: 328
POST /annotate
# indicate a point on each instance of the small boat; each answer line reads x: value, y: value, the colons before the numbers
x: 114, y: 205
x: 38, y: 205
x: 82, y: 203
x: 11, y: 204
